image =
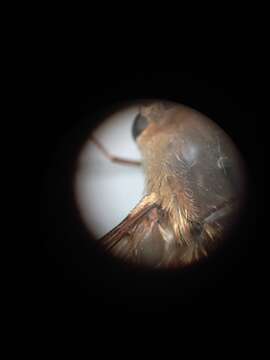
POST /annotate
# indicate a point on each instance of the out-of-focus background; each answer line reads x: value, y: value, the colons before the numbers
x: 106, y: 191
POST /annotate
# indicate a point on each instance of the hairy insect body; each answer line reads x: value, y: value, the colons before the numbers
x: 192, y: 197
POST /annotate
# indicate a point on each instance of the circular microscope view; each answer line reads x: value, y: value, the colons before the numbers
x: 159, y: 184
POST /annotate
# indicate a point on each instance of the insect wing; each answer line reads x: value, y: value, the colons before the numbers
x: 143, y: 237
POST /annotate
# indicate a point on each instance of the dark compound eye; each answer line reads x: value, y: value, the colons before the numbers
x: 139, y: 124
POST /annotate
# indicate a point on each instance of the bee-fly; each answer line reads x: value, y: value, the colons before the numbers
x: 194, y: 189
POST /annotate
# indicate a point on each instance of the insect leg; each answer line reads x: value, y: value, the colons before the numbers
x: 111, y: 157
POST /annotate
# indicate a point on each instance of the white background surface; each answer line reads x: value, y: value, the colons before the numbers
x: 106, y: 191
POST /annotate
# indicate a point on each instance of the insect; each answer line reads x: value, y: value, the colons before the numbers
x: 194, y: 187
